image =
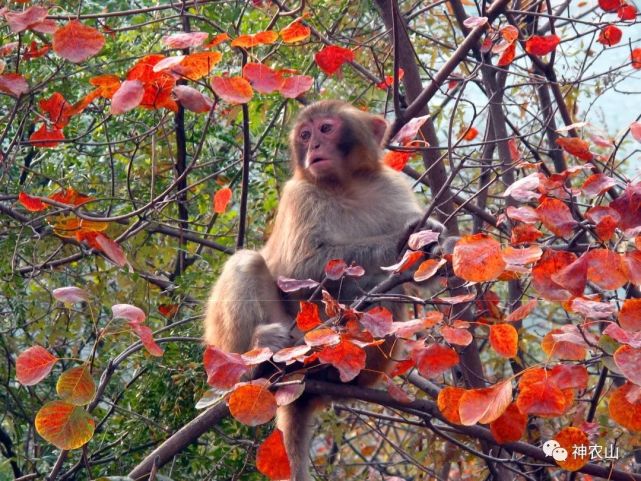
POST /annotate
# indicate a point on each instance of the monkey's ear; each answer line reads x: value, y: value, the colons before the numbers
x: 379, y: 128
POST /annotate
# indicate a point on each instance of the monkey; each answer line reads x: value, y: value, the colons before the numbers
x: 341, y: 202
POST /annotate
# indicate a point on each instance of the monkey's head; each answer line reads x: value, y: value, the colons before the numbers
x: 333, y: 141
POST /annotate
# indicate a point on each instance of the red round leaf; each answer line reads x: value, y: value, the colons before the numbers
x: 33, y: 365
x: 77, y: 42
x: 331, y: 58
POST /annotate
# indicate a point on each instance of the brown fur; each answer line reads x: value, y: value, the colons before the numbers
x: 356, y: 212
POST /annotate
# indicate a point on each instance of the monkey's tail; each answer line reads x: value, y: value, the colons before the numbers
x: 296, y: 421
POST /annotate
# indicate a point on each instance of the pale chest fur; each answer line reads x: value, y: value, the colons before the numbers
x: 362, y: 225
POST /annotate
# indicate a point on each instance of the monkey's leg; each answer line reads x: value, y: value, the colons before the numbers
x: 245, y: 309
x: 296, y: 421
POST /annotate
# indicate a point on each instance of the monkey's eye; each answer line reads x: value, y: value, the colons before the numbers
x: 305, y: 135
x: 326, y: 128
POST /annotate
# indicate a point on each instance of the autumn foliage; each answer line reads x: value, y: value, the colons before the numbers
x: 142, y: 144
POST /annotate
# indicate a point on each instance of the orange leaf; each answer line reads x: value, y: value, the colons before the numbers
x: 543, y: 273
x: 32, y: 204
x: 561, y: 349
x: 271, y: 457
x: 486, y: 404
x: 295, y: 32
x: 235, y: 90
x: 575, y: 146
x: 539, y: 395
x: 470, y: 134
x: 308, y: 316
x: 77, y: 42
x: 221, y: 200
x: 35, y: 52
x: 104, y: 244
x: 108, y: 84
x: 541, y: 45
x: 346, y: 357
x: 477, y: 258
x: 556, y: 216
x: 408, y: 260
x: 223, y: 369
x: 434, y: 360
x: 196, y: 65
x: 252, y: 404
x: 322, y: 337
x: 525, y: 234
x: 168, y: 310
x: 521, y: 256
x: 510, y: 33
x: 455, y: 335
x: 630, y: 315
x: 76, y: 385
x: 428, y: 268
x: 504, y: 339
x: 510, y: 426
x: 396, y: 159
x: 64, y: 425
x: 218, y: 39
x: 569, y: 438
x: 33, y: 365
x: 263, y: 79
x: 143, y: 70
x: 261, y: 38
x: 13, y: 84
x: 332, y: 57
x: 624, y: 410
x: 597, y: 184
x: 43, y: 137
x: 448, y: 403
x: 388, y: 81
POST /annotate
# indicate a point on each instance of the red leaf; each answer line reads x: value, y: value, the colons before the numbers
x: 32, y: 204
x: 221, y: 200
x: 409, y: 130
x: 510, y: 33
x: 510, y: 426
x: 408, y: 260
x: 630, y: 315
x: 185, y: 39
x: 345, y: 356
x: 507, y: 57
x: 33, y: 365
x: 129, y: 312
x: 504, y: 339
x: 263, y: 79
x: 550, y: 263
x: 455, y: 335
x: 610, y: 35
x: 635, y: 130
x: 35, y: 52
x: 597, y: 184
x: 628, y: 360
x: 525, y: 214
x: 235, y: 90
x: 627, y: 11
x: 192, y: 99
x: 335, y: 269
x: 58, y: 110
x: 308, y: 317
x: 127, y: 97
x: 147, y: 339
x: 541, y: 45
x: 322, y: 337
x: 635, y: 57
x: 70, y: 294
x: 77, y: 42
x: 107, y: 83
x: 605, y: 268
x: 396, y: 159
x: 539, y: 395
x: 43, y: 137
x: 434, y: 360
x: 331, y: 58
x: 13, y: 84
x: 64, y: 425
x: 486, y: 404
x: 388, y: 81
x: 428, y: 269
x: 610, y: 5
x: 473, y: 22
x: 296, y: 85
x: 556, y: 216
x: 521, y: 256
x: 223, y: 369
x: 19, y: 21
x: 290, y: 285
x: 575, y: 146
x: 470, y: 134
x: 271, y: 457
x: 378, y: 321
x: 104, y: 244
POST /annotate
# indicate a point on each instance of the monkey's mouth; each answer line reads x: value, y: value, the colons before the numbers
x: 317, y: 160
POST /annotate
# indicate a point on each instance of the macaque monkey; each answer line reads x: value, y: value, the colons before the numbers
x: 342, y: 202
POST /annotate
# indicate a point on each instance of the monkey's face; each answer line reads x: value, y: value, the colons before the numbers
x: 321, y: 147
